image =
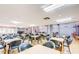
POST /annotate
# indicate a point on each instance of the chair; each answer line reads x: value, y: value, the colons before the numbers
x: 38, y: 39
x: 48, y: 37
x: 49, y: 44
x: 31, y: 39
x: 67, y: 42
x: 14, y: 44
x: 26, y: 36
x: 2, y: 49
x: 24, y: 46
x: 2, y: 46
x: 42, y: 36
x: 57, y: 44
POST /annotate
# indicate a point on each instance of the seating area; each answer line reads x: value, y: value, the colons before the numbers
x: 25, y: 41
x: 34, y: 29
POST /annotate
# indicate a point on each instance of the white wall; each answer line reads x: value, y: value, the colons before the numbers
x: 43, y: 28
x: 67, y: 29
x: 55, y: 28
x: 7, y: 30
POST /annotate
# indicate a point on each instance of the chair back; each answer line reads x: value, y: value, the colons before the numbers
x: 49, y: 44
x: 68, y: 40
x: 15, y: 43
x: 57, y: 44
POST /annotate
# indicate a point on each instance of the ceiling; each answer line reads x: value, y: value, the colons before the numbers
x: 32, y: 14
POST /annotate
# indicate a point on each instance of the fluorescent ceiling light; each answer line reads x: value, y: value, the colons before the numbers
x: 52, y: 7
x: 16, y: 22
x: 64, y: 20
x: 45, y: 5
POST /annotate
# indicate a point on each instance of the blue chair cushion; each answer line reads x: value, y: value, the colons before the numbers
x: 49, y: 44
x: 24, y: 46
x: 1, y: 46
x: 14, y: 47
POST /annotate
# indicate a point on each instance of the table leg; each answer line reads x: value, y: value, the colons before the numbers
x: 7, y: 49
x: 35, y: 40
x: 62, y: 47
x: 4, y: 50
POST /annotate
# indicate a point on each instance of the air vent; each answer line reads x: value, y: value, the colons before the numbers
x: 46, y: 18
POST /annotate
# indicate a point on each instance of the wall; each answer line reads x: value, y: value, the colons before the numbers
x: 7, y: 30
x: 55, y: 28
x: 67, y: 29
x: 43, y: 28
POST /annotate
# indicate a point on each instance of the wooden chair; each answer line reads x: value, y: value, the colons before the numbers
x: 13, y: 45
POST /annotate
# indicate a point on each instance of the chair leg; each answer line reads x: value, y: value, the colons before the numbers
x: 18, y: 49
x: 69, y: 50
x: 37, y: 41
x: 68, y: 46
x: 4, y: 50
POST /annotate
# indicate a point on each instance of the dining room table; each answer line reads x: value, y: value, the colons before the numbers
x: 39, y: 49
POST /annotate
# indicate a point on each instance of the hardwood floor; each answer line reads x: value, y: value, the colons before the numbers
x: 74, y: 47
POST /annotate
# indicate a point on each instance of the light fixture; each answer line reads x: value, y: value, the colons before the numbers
x: 16, y: 22
x: 45, y: 5
x: 46, y: 18
x: 67, y: 19
x: 51, y: 7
